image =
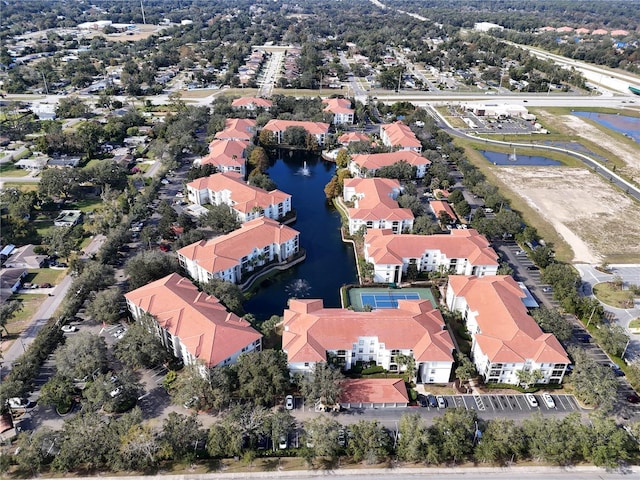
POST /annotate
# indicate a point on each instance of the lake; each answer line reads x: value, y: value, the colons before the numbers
x: 330, y: 263
x: 520, y: 160
x: 629, y: 126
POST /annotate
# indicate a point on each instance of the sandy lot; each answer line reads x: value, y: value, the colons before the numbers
x: 574, y: 125
x: 599, y: 222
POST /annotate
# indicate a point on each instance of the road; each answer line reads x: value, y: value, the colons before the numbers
x: 271, y: 75
x: 43, y: 314
x: 452, y: 473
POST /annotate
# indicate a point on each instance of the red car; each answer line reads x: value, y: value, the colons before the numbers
x: 164, y: 247
x: 633, y: 398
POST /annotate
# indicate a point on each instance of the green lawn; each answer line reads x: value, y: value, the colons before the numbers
x: 24, y: 187
x: 30, y: 303
x: 45, y: 275
x: 609, y: 293
x: 85, y: 204
x: 11, y: 171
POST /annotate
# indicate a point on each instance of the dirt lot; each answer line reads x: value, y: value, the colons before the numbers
x: 599, y: 222
x: 576, y: 126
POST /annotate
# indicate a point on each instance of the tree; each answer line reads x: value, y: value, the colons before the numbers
x: 401, y: 170
x: 368, y: 442
x: 529, y: 377
x: 221, y: 219
x: 262, y: 376
x: 61, y: 241
x: 71, y: 107
x: 456, y: 431
x: 140, y: 348
x: 594, y: 383
x: 35, y: 449
x: 229, y: 294
x: 8, y: 310
x: 147, y: 266
x: 211, y: 391
x: 82, y: 355
x: 279, y: 424
x: 223, y: 440
x: 423, y: 225
x: 139, y: 448
x: 502, y: 442
x: 323, y: 385
x: 555, y: 441
x: 322, y: 433
x: 411, y: 202
x: 612, y: 338
x: 181, y: 435
x: 106, y: 306
x: 59, y: 392
x: 249, y: 422
x: 295, y: 137
x: 263, y: 181
x: 412, y: 437
x: 542, y: 255
x: 607, y: 445
x: 56, y: 182
x: 267, y: 138
x: 553, y: 321
x: 343, y: 158
x: 465, y: 370
x: 259, y: 159
x: 409, y: 364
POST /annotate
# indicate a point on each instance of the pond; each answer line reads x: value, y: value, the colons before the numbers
x: 629, y: 126
x: 330, y: 263
x: 516, y: 159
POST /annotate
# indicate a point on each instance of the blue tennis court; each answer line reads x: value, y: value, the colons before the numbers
x: 387, y: 300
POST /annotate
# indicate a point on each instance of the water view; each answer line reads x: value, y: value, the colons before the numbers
x: 630, y: 126
x: 516, y: 159
x: 329, y: 263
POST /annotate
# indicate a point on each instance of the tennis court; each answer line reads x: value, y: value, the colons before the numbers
x: 385, y: 297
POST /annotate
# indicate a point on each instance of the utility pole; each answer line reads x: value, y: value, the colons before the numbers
x: 144, y: 21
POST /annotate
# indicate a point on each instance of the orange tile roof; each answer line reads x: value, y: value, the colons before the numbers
x: 204, y: 326
x: 226, y: 251
x: 401, y: 135
x: 439, y: 206
x: 507, y: 332
x: 374, y: 390
x: 311, y: 330
x: 338, y: 105
x: 619, y: 32
x: 314, y: 128
x: 376, y: 204
x: 258, y: 102
x: 353, y: 137
x: 226, y: 153
x: 244, y: 197
x: 238, y: 129
x: 600, y: 31
x: 374, y: 161
x: 386, y: 248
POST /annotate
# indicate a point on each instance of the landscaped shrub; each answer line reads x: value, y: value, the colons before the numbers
x: 373, y: 370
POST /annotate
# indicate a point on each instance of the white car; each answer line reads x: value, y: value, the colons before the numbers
x: 548, y: 400
x: 17, y: 402
x: 289, y: 403
x: 531, y: 400
x: 115, y: 392
x: 180, y: 195
x: 69, y: 328
x: 283, y: 443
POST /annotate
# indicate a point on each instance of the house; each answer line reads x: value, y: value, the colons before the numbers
x: 438, y: 207
x: 374, y: 393
x: 63, y: 162
x: 192, y: 325
x: 463, y: 252
x: 375, y: 205
x: 366, y: 165
x: 248, y: 202
x: 313, y: 333
x: 350, y: 137
x: 505, y: 338
x: 32, y: 163
x: 252, y: 104
x: 398, y: 135
x: 234, y: 256
x: 25, y: 257
x: 341, y: 110
x: 226, y: 156
x: 318, y: 129
x: 10, y: 281
x: 68, y: 218
x: 243, y: 129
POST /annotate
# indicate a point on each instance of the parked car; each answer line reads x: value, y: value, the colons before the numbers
x: 283, y: 442
x: 116, y: 391
x: 422, y: 401
x: 17, y: 402
x: 617, y: 371
x: 69, y: 328
x: 442, y: 402
x: 583, y: 337
x: 46, y: 285
x: 533, y: 267
x: 289, y: 403
x: 633, y: 398
x: 547, y: 289
x: 433, y: 403
x: 548, y: 400
x: 531, y: 400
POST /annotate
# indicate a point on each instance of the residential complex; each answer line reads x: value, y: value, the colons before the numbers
x: 246, y: 201
x: 243, y: 129
x: 313, y: 333
x: 226, y: 156
x: 506, y: 339
x: 462, y: 252
x: 398, y: 135
x: 374, y: 205
x: 252, y: 104
x: 233, y: 256
x: 192, y: 325
x: 341, y: 110
x: 318, y: 129
x: 366, y: 165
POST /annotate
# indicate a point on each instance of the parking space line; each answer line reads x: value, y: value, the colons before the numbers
x: 479, y: 402
x: 464, y: 402
x: 515, y: 397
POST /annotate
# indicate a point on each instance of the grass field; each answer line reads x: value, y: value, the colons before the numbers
x: 45, y: 275
x: 30, y: 304
x: 11, y: 171
x: 611, y: 295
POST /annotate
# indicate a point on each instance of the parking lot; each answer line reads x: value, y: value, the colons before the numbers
x: 508, y: 403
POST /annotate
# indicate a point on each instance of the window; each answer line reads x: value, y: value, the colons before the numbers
x: 372, y: 342
x: 361, y: 342
x: 360, y: 350
x: 306, y: 364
